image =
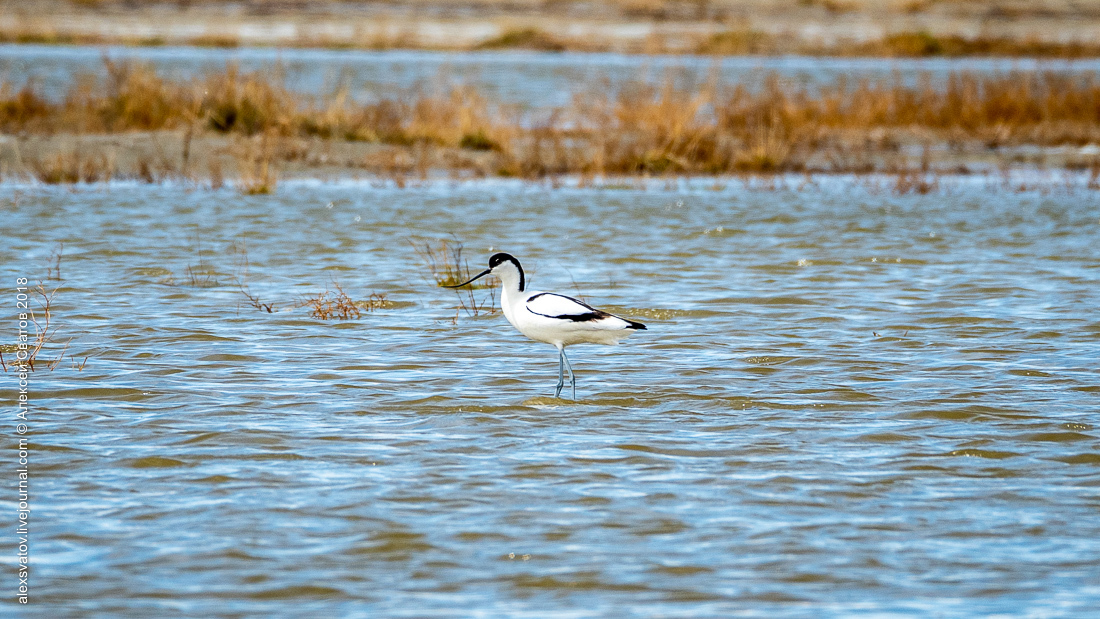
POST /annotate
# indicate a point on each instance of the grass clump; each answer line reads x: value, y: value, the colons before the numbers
x: 478, y: 141
x: 24, y: 355
x: 72, y: 167
x: 924, y: 44
x: 256, y: 173
x: 336, y: 304
x: 445, y: 262
x: 740, y: 43
x: 525, y: 38
x: 22, y: 109
x: 913, y: 182
x: 448, y: 268
x: 137, y: 98
x: 246, y: 103
x: 223, y: 41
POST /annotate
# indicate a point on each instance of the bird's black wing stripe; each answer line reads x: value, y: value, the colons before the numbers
x: 585, y: 317
x: 590, y: 316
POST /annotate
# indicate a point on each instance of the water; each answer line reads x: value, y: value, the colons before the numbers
x: 847, y: 402
x: 538, y: 79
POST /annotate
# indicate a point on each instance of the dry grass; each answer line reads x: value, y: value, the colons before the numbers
x: 924, y: 44
x: 26, y: 353
x: 448, y: 268
x: 201, y: 275
x: 445, y: 262
x: 254, y: 300
x: 53, y: 267
x: 133, y: 97
x: 469, y: 305
x: 640, y: 129
x: 257, y: 175
x: 72, y: 167
x: 740, y: 43
x: 735, y: 41
x: 240, y: 277
x: 329, y: 304
x: 915, y: 182
x: 526, y: 38
x: 50, y: 36
x: 761, y: 27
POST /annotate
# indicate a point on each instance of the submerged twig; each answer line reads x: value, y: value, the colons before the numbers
x: 31, y: 345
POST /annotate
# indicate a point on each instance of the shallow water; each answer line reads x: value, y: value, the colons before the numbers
x: 537, y: 79
x: 846, y: 402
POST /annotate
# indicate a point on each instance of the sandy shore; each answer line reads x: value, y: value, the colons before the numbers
x: 214, y: 159
x: 639, y: 26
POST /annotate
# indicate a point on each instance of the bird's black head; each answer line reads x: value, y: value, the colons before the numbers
x: 502, y: 258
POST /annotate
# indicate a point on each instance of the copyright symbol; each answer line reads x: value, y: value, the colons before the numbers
x: 21, y: 428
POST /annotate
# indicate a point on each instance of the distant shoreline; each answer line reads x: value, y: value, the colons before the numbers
x: 135, y: 123
x: 750, y: 27
x: 914, y: 44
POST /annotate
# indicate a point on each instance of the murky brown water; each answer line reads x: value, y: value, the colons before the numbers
x: 759, y: 450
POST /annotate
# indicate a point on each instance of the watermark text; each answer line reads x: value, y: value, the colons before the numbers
x: 20, y: 420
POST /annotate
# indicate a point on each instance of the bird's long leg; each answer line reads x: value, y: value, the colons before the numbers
x: 572, y: 378
x: 561, y: 369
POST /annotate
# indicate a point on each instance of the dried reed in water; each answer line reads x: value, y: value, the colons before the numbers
x: 640, y: 129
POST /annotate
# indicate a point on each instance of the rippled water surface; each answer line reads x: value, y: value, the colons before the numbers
x: 847, y: 402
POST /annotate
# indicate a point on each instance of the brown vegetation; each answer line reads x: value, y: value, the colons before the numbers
x: 53, y: 267
x: 72, y: 167
x: 253, y: 299
x: 911, y: 44
x: 923, y: 43
x: 915, y: 182
x: 445, y: 262
x: 447, y: 266
x: 736, y: 41
x: 641, y: 129
x: 201, y: 275
x: 26, y: 353
x: 528, y: 38
x: 469, y: 305
x: 329, y: 304
x: 1039, y: 28
x: 256, y: 175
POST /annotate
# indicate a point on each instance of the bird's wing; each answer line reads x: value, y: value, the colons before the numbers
x: 563, y: 308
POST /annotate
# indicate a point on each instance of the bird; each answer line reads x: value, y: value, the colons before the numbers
x: 552, y: 318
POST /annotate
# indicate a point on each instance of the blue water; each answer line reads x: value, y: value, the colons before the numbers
x: 848, y: 402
